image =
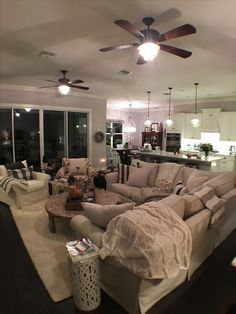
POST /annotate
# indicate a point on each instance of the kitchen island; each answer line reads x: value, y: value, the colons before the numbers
x: 209, y: 164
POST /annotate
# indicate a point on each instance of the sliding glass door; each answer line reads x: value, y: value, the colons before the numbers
x: 54, y: 134
x: 77, y: 134
x: 6, y: 152
x: 26, y: 136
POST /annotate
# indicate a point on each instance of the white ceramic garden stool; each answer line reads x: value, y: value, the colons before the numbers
x: 85, y: 283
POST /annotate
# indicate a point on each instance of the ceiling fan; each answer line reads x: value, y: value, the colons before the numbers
x: 64, y: 84
x: 152, y: 38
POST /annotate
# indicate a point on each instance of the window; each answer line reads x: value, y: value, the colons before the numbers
x: 54, y: 137
x: 114, y: 133
x: 5, y: 136
x: 77, y: 134
x: 26, y: 136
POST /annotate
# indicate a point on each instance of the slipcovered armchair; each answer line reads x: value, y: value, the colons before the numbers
x: 80, y: 168
x: 29, y: 188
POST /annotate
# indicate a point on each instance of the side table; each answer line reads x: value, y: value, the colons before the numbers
x: 85, y: 278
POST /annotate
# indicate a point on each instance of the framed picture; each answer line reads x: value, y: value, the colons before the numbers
x: 155, y: 127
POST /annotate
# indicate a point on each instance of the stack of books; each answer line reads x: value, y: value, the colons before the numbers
x: 81, y: 250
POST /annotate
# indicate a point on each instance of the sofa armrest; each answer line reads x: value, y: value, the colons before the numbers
x: 111, y: 178
x: 198, y: 225
x: 84, y: 228
x: 41, y: 176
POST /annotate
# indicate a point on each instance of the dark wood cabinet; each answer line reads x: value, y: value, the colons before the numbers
x: 153, y: 138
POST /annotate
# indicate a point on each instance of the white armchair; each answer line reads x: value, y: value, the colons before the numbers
x: 35, y: 190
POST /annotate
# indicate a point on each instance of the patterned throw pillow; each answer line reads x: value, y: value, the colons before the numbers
x: 180, y: 189
x: 164, y: 186
x: 24, y: 173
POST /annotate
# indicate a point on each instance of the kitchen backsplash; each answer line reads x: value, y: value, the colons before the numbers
x: 213, y: 138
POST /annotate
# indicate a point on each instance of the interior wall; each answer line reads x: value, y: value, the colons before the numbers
x: 96, y: 107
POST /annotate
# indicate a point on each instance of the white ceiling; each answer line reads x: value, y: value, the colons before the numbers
x: 75, y: 30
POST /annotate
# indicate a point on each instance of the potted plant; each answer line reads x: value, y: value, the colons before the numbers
x: 206, y: 148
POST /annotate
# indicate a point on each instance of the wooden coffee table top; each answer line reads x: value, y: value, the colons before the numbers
x: 55, y: 206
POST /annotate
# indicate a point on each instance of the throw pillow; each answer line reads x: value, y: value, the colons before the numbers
x: 101, y: 215
x: 24, y: 173
x: 138, y: 177
x: 163, y: 186
x: 209, y: 198
x: 153, y: 167
x: 180, y: 189
x: 167, y: 172
x: 195, y: 180
x: 222, y: 183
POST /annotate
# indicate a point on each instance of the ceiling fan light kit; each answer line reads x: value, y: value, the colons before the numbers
x: 149, y: 51
x: 195, y: 122
x: 64, y: 89
x: 169, y: 122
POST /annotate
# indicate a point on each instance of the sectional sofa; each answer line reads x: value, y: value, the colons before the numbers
x: 188, y: 192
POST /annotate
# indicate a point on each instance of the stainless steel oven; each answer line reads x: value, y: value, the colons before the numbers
x: 173, y: 142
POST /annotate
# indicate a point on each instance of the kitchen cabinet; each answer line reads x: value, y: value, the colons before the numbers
x: 228, y: 126
x: 153, y: 138
x: 210, y: 122
x: 178, y: 125
x: 190, y: 131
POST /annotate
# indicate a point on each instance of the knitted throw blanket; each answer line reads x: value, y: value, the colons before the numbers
x: 151, y: 241
x: 6, y: 183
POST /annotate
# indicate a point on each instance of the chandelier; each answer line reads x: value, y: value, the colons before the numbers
x: 130, y: 126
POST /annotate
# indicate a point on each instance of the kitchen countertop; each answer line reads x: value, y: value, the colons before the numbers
x: 184, y: 158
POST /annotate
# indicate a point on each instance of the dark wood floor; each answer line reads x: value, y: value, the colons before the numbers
x: 212, y: 290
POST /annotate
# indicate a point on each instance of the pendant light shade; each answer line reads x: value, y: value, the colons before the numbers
x: 130, y: 126
x: 148, y: 122
x: 195, y: 121
x: 169, y: 122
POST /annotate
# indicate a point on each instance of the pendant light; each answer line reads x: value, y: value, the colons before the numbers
x: 148, y: 122
x: 130, y: 127
x: 169, y: 122
x: 195, y: 121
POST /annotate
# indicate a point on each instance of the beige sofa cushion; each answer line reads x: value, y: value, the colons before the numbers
x: 153, y: 167
x: 222, y: 183
x: 176, y: 203
x: 193, y: 205
x: 167, y: 172
x: 101, y: 215
x: 138, y: 176
x: 125, y: 190
x: 195, y: 180
x: 35, y: 185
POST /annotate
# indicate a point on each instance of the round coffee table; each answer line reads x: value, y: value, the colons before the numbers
x: 56, y: 205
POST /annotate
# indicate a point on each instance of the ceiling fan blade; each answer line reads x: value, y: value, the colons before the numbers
x: 80, y: 87
x: 76, y: 82
x: 118, y: 47
x: 48, y: 86
x: 183, y: 30
x: 130, y: 28
x: 51, y: 81
x: 141, y: 60
x: 176, y: 51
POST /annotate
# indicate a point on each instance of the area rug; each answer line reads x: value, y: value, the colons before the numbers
x: 47, y: 250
